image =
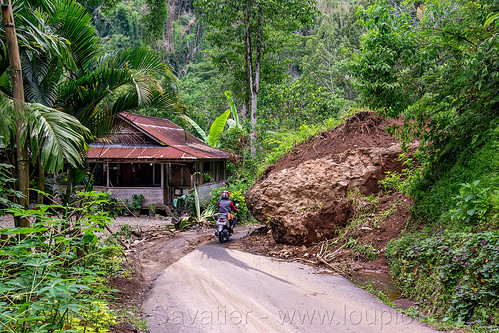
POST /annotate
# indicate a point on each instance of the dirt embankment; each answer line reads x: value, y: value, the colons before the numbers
x: 362, y: 130
x: 303, y: 196
x: 314, y: 199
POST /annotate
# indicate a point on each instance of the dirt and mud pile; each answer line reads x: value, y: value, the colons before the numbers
x: 303, y: 195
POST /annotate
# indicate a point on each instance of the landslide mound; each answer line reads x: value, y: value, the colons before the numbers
x: 362, y: 130
x: 303, y: 195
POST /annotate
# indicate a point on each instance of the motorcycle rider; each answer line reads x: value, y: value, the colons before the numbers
x: 225, y: 206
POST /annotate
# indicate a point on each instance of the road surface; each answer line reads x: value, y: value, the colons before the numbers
x: 216, y: 289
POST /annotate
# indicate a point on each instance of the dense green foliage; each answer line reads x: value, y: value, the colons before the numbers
x: 304, y: 75
x: 237, y: 192
x: 437, y: 203
x: 6, y: 182
x: 436, y: 63
x: 53, y: 273
x: 453, y: 275
x: 437, y: 66
x: 72, y: 92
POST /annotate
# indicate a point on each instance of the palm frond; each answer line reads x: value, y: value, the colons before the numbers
x: 7, y: 121
x: 74, y: 23
x: 123, y: 82
x: 41, y: 78
x: 54, y: 137
x: 5, y: 85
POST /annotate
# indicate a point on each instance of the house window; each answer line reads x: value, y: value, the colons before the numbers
x: 99, y: 175
x: 157, y: 174
x: 206, y: 167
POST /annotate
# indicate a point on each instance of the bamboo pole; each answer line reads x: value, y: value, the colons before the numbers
x: 18, y: 96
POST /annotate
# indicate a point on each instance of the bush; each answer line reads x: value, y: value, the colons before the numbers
x: 473, y: 204
x: 453, y: 275
x: 53, y: 272
x: 436, y: 202
x: 237, y: 193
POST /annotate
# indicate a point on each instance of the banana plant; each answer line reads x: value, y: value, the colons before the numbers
x: 233, y: 123
x: 218, y: 126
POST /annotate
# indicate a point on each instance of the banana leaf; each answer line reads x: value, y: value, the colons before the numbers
x: 217, y: 128
x: 198, y: 129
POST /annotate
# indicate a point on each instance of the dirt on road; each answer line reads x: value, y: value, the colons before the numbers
x: 373, y: 225
x: 151, y: 245
x: 154, y: 247
x: 219, y: 289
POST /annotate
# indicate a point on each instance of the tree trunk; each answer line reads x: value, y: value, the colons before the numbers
x: 253, y: 103
x: 41, y: 184
x: 18, y: 96
x: 247, y: 95
x: 341, y: 14
x: 254, y: 76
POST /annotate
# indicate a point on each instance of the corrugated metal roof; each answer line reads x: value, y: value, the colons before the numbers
x: 138, y: 153
x: 172, y: 143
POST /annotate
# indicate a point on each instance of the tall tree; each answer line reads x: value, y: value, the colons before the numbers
x: 251, y: 22
x: 18, y: 97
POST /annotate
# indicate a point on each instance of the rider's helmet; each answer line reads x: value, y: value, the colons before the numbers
x: 225, y: 195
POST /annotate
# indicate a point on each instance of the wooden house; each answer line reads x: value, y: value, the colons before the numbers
x: 156, y: 158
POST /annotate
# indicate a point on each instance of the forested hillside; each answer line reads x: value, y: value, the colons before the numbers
x: 303, y: 78
x: 294, y: 69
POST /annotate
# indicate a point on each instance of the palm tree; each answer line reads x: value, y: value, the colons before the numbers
x: 62, y: 74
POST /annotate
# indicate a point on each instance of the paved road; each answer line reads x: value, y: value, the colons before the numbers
x: 216, y: 289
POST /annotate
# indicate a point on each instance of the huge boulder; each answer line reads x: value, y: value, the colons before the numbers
x: 305, y: 201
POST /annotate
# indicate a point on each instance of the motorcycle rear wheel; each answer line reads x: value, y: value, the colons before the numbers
x: 223, y: 236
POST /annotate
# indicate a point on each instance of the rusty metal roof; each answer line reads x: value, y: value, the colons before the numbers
x: 173, y: 143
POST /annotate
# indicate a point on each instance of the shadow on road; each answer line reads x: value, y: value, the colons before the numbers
x: 218, y: 252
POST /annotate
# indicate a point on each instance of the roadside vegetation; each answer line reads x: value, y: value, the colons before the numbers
x: 436, y: 64
x: 54, y: 272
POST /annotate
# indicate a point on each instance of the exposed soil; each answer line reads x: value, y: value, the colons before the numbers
x: 303, y: 195
x: 364, y: 129
x: 394, y: 208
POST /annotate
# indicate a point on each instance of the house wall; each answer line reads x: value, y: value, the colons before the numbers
x: 152, y: 195
x: 205, y: 189
x: 127, y: 179
x: 210, y: 171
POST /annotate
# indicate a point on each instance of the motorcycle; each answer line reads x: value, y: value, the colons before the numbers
x: 224, y: 223
x: 223, y: 231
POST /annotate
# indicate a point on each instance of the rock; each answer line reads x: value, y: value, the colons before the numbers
x: 302, y: 196
x: 306, y: 203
